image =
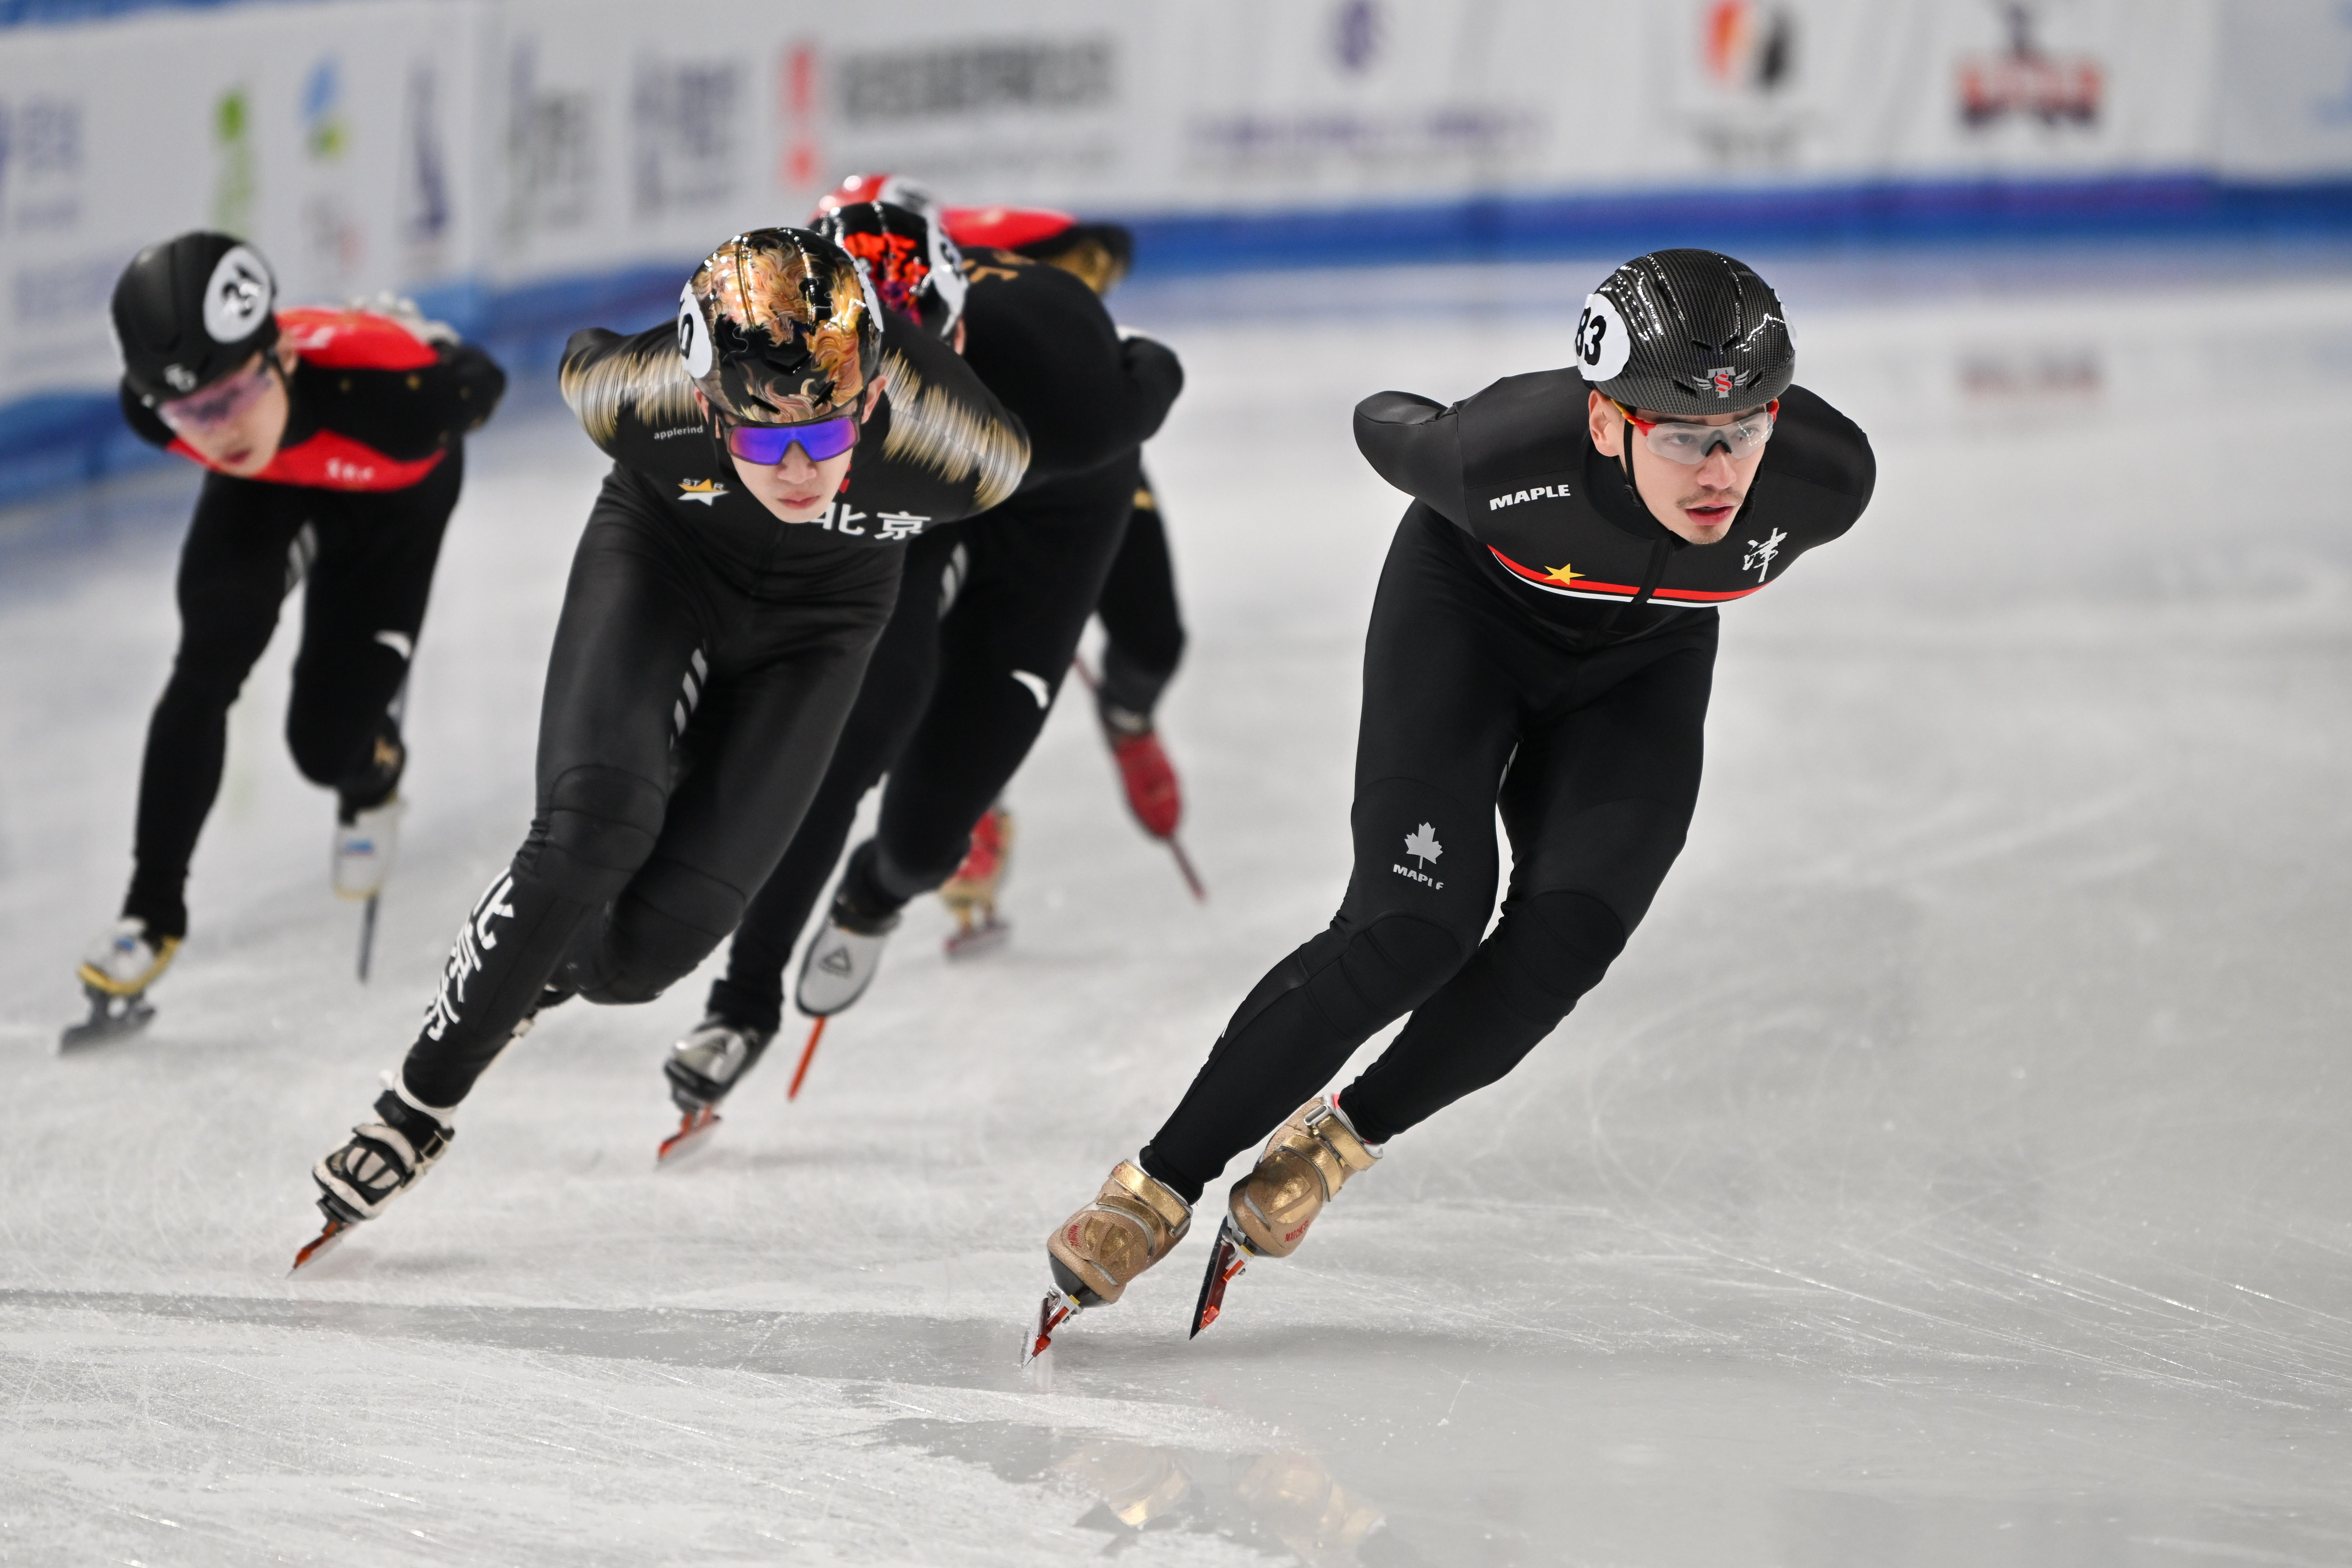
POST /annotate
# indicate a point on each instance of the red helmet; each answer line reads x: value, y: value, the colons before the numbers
x: 1005, y: 229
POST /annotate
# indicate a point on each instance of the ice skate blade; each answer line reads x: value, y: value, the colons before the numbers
x: 1226, y: 1261
x: 981, y: 937
x: 111, y: 1017
x: 808, y: 1055
x: 1058, y: 1308
x: 1184, y: 865
x: 692, y: 1129
x: 322, y: 1243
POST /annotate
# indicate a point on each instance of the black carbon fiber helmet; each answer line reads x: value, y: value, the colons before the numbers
x: 190, y: 310
x: 779, y: 326
x: 914, y: 266
x: 1686, y: 333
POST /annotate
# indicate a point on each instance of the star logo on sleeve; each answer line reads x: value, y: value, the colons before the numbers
x: 706, y: 491
x: 1564, y: 574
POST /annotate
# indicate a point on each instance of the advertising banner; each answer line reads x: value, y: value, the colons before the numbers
x: 334, y: 137
x: 483, y: 149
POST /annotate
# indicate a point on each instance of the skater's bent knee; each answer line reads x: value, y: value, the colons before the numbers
x: 1552, y: 950
x: 598, y: 827
x: 1386, y: 968
x: 668, y: 922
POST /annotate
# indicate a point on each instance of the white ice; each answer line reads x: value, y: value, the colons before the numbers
x: 1954, y: 1170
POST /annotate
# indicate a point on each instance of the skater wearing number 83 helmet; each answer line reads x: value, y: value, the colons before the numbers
x: 1542, y: 643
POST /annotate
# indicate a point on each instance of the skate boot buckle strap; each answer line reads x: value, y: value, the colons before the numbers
x: 420, y: 1136
x: 1174, y: 1214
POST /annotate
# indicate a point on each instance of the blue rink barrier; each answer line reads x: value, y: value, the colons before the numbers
x: 51, y: 440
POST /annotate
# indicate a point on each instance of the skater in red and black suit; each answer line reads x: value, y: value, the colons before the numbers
x: 962, y: 679
x: 776, y: 449
x: 334, y: 445
x: 1542, y: 644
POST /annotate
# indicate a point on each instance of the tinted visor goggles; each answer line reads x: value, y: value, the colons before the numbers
x: 820, y: 440
x: 1690, y: 445
x: 222, y: 403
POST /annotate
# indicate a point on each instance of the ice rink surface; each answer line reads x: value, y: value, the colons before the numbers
x: 1953, y: 1171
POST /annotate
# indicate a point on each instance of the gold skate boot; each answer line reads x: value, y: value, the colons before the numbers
x: 1097, y: 1253
x: 970, y: 893
x: 1306, y: 1163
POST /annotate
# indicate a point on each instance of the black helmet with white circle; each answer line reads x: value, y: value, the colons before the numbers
x: 1686, y: 333
x: 190, y: 310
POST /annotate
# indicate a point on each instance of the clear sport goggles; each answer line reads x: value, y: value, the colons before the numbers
x: 222, y: 403
x: 820, y: 440
x: 1690, y: 445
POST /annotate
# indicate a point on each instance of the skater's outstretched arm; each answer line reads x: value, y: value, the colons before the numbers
x: 1414, y: 445
x: 1044, y: 342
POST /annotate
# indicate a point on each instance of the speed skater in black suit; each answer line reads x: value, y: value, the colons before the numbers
x: 1143, y: 631
x: 775, y: 451
x: 333, y: 442
x: 1542, y: 643
x: 962, y: 679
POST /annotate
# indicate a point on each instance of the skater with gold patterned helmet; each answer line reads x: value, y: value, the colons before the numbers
x: 776, y: 449
x: 1542, y: 644
x: 963, y: 683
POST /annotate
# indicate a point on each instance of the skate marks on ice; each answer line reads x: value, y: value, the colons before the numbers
x: 279, y: 1431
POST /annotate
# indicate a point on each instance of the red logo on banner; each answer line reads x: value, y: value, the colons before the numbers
x: 1745, y: 46
x: 2028, y: 82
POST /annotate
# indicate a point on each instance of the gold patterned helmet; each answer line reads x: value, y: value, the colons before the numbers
x: 780, y: 326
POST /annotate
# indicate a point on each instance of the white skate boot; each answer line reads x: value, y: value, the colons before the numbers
x: 115, y: 973
x: 365, y: 842
x: 841, y: 962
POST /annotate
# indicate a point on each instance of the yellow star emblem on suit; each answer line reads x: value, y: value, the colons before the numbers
x: 1563, y: 575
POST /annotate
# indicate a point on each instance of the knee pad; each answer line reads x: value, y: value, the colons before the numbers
x: 598, y: 826
x: 1384, y: 970
x: 1551, y: 949
x: 670, y: 918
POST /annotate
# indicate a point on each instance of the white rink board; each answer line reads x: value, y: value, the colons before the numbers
x: 488, y: 145
x: 1951, y: 1172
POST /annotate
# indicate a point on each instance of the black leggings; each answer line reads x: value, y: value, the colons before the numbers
x: 368, y: 556
x: 1471, y: 702
x: 1145, y: 634
x: 898, y: 682
x: 691, y: 707
x: 951, y: 721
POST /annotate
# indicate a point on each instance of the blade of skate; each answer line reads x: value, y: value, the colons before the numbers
x: 692, y: 1129
x: 367, y: 936
x: 1057, y: 1309
x: 979, y: 937
x: 1184, y: 865
x: 321, y: 1242
x: 110, y: 1018
x: 808, y: 1055
x: 1226, y: 1260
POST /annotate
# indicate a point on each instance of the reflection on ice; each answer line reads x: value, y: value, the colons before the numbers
x: 1282, y: 1502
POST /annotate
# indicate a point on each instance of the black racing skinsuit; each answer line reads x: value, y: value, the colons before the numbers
x: 1539, y: 643
x: 943, y: 711
x: 355, y: 503
x: 1144, y: 635
x: 705, y: 658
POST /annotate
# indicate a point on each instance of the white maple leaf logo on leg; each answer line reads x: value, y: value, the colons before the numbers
x: 1423, y: 846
